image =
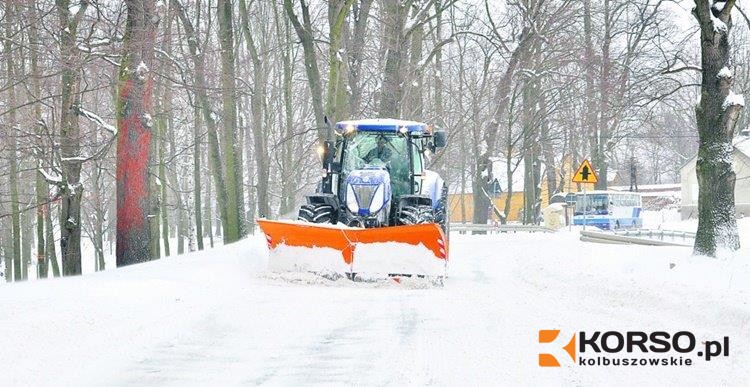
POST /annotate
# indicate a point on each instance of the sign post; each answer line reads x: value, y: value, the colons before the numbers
x: 585, y: 174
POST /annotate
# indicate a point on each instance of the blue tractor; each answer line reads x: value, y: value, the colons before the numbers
x: 376, y: 176
x: 378, y: 210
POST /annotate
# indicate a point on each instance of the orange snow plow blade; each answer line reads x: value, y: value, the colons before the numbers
x: 400, y: 250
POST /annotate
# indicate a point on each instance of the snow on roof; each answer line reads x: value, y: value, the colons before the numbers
x: 654, y: 190
x: 605, y: 192
x: 649, y: 187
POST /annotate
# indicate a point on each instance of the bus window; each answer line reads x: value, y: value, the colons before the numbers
x: 592, y: 203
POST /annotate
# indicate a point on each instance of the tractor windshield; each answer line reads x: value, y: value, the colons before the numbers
x: 373, y: 149
x: 378, y: 149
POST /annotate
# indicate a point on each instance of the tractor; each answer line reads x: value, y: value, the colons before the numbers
x: 377, y: 206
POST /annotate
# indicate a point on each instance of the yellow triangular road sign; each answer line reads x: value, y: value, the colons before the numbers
x: 585, y: 173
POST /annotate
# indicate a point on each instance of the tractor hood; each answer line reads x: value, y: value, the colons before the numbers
x: 368, y: 191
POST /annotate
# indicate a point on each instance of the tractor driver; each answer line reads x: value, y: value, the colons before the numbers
x: 381, y: 151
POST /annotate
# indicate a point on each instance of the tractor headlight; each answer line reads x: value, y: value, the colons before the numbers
x: 377, y: 200
x: 351, y: 199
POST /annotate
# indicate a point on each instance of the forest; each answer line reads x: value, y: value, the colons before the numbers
x: 144, y: 129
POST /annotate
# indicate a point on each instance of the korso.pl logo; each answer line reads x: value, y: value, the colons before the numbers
x: 614, y: 348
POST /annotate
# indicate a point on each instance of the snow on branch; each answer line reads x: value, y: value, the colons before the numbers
x: 52, y: 179
x: 141, y: 71
x: 75, y: 159
x: 719, y: 26
x: 725, y: 72
x: 733, y: 100
x: 95, y: 119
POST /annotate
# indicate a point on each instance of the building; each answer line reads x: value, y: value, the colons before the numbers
x: 657, y: 196
x: 741, y: 164
x: 461, y: 199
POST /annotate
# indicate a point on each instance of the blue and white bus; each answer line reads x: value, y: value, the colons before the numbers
x: 609, y: 210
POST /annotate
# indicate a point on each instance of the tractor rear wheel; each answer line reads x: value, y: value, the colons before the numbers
x: 311, y: 213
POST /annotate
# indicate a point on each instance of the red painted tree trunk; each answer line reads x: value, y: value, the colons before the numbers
x: 134, y: 138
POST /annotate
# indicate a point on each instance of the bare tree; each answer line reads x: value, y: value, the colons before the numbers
x: 135, y: 125
x: 717, y: 115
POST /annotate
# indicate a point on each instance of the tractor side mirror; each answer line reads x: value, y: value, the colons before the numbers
x: 439, y: 138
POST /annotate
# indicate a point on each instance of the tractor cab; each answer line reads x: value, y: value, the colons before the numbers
x: 360, y: 150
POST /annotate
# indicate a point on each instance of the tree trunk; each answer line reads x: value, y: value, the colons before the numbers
x: 603, y: 136
x: 134, y: 137
x: 415, y: 89
x: 197, y: 187
x: 154, y: 180
x: 201, y: 97
x: 163, y: 187
x: 305, y: 35
x: 99, y: 217
x: 257, y: 101
x: 438, y: 80
x: 50, y: 242
x: 234, y: 229
x: 361, y: 12
x: 717, y: 114
x: 336, y: 97
x: 288, y: 183
x: 547, y: 149
x: 70, y: 147
x: 392, y: 90
x: 530, y: 145
x: 41, y: 188
x: 590, y: 113
x: 488, y: 139
x: 12, y: 144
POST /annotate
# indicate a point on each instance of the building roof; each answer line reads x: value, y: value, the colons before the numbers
x: 654, y: 190
x: 649, y: 187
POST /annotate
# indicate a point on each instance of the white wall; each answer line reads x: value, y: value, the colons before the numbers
x: 689, y: 183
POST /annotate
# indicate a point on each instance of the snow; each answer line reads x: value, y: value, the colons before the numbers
x: 294, y: 258
x: 74, y: 8
x: 719, y: 26
x: 377, y: 259
x: 732, y: 100
x: 141, y: 71
x: 79, y: 159
x: 97, y: 120
x: 55, y: 179
x: 725, y: 72
x: 148, y: 121
x: 218, y: 318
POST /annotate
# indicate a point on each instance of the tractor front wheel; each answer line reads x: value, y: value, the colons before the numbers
x: 416, y: 215
x: 311, y: 213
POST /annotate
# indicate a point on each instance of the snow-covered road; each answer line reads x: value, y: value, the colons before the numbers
x: 215, y: 318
